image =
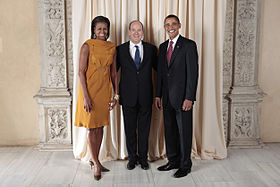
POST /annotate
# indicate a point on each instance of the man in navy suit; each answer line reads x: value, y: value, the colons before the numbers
x: 176, y: 86
x: 136, y: 59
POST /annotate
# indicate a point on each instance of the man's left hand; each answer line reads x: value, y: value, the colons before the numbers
x: 187, y: 105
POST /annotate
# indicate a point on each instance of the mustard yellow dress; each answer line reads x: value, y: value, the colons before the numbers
x: 99, y: 85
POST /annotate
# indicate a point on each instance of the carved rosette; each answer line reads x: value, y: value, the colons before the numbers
x: 246, y: 37
x: 57, y: 123
x: 55, y: 43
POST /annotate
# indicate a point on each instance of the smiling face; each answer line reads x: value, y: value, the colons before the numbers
x: 101, y: 31
x: 136, y: 32
x: 172, y: 26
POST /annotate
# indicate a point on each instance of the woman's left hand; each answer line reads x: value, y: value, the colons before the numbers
x: 112, y: 103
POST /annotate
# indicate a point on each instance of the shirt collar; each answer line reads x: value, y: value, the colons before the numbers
x: 174, y: 39
x: 131, y: 44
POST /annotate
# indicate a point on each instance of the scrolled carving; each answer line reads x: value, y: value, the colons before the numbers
x: 246, y: 33
x: 56, y: 74
x: 243, y: 117
x: 55, y: 43
x: 228, y: 44
x: 55, y: 9
x: 246, y: 9
x: 55, y: 40
x: 57, y: 121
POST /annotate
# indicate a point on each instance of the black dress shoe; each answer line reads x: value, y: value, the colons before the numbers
x: 168, y: 167
x: 131, y: 165
x: 144, y: 165
x: 181, y: 172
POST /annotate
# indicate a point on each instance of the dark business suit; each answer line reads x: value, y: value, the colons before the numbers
x: 175, y: 84
x: 136, y: 98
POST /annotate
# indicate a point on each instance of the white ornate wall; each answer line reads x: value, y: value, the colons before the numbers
x: 54, y: 97
x: 242, y: 96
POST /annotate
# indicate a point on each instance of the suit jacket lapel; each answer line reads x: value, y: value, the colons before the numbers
x: 165, y: 45
x: 144, y: 54
x: 175, y: 51
x: 130, y: 59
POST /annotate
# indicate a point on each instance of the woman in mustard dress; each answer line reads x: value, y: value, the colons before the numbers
x: 97, y: 73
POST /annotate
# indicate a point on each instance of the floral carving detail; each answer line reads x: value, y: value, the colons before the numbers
x: 55, y: 40
x: 246, y: 33
x: 228, y: 44
x: 56, y: 75
x: 243, y: 122
x: 55, y: 10
x: 56, y: 43
x: 57, y: 124
x: 247, y: 9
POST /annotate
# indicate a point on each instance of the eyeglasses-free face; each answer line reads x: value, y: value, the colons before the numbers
x: 172, y: 27
x: 101, y: 31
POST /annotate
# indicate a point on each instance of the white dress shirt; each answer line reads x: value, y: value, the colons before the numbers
x: 174, y: 42
x: 132, y: 49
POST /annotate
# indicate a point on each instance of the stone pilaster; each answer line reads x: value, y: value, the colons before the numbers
x: 54, y: 97
x: 227, y: 61
x: 244, y: 95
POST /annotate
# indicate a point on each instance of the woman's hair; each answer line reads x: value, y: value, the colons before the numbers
x: 99, y: 19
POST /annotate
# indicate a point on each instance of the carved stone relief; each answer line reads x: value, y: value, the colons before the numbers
x: 228, y: 46
x: 244, y: 95
x: 55, y: 41
x: 243, y: 122
x: 57, y: 122
x: 57, y: 71
x: 246, y: 37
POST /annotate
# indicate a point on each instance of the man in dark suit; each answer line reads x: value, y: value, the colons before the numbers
x: 136, y: 59
x: 176, y: 84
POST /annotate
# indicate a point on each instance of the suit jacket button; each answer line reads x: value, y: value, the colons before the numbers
x: 137, y: 72
x: 167, y: 74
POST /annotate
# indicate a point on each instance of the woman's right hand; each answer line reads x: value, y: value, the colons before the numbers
x: 88, y: 104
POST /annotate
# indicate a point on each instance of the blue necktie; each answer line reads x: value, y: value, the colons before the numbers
x: 137, y: 57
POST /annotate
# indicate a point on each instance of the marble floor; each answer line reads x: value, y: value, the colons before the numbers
x: 26, y: 166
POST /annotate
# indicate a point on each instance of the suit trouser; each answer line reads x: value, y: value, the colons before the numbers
x: 137, y: 122
x: 178, y: 135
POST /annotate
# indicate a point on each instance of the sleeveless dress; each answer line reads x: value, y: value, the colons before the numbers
x: 99, y: 85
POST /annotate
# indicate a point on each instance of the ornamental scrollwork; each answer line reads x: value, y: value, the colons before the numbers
x: 57, y: 119
x: 243, y: 117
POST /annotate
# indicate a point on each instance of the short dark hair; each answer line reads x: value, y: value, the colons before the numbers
x: 99, y: 19
x: 172, y: 16
x: 134, y: 22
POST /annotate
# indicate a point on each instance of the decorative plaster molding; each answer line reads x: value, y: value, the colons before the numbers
x: 54, y: 97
